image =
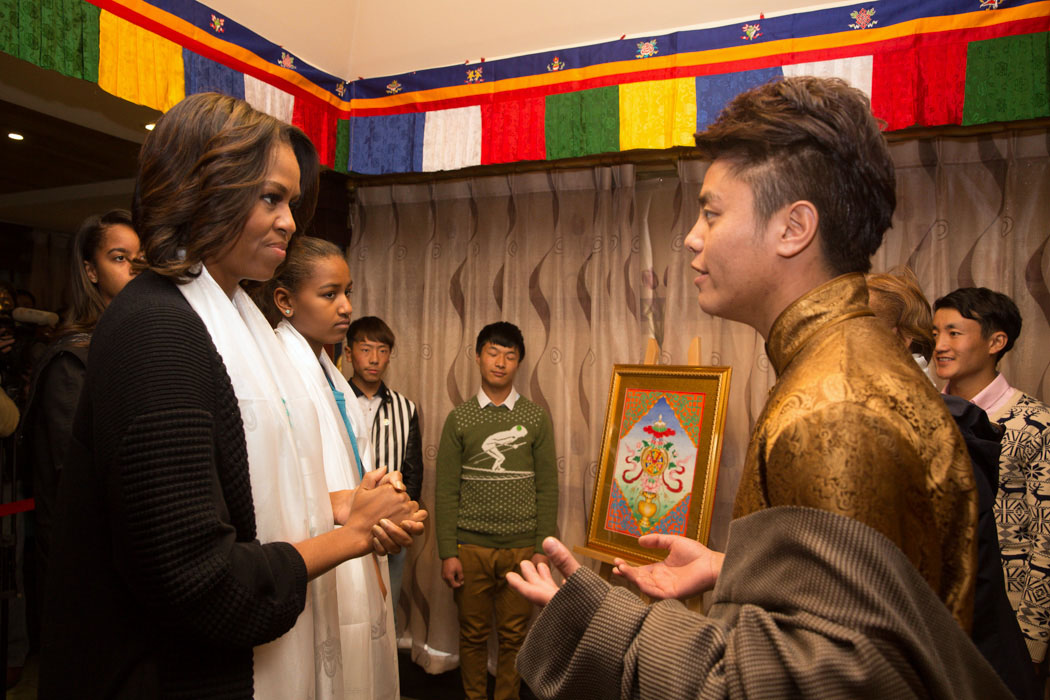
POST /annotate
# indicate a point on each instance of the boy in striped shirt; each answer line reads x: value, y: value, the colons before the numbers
x: 392, y: 419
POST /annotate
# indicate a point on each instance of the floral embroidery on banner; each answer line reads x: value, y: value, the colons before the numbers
x: 751, y: 31
x: 216, y: 24
x: 287, y: 60
x: 556, y: 64
x: 340, y: 88
x: 646, y: 49
x: 862, y: 19
x: 393, y: 87
x: 474, y: 76
x: 991, y: 4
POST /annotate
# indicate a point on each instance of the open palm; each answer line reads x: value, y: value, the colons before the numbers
x: 689, y: 569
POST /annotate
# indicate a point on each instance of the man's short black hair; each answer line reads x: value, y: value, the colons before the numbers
x: 993, y: 310
x: 501, y: 333
x: 370, y: 328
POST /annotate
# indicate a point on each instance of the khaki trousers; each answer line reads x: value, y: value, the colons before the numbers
x: 485, y: 592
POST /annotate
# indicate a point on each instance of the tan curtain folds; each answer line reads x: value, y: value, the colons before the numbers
x: 590, y: 263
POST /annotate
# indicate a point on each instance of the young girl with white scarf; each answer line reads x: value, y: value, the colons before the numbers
x: 196, y: 529
x: 311, y: 296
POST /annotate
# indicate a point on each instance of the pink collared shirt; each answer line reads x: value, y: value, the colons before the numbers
x: 993, y: 397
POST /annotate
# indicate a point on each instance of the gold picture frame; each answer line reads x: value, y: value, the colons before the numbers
x: 658, y: 467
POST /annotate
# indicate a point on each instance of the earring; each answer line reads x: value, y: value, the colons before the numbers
x: 287, y: 312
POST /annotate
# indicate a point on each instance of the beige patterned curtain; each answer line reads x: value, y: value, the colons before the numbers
x: 590, y: 264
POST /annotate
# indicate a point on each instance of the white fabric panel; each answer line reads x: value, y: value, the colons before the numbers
x: 856, y: 71
x: 268, y: 99
x: 452, y: 139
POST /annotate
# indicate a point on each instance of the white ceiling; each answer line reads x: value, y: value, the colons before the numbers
x: 376, y: 38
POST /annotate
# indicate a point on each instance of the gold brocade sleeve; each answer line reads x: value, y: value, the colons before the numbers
x: 850, y: 459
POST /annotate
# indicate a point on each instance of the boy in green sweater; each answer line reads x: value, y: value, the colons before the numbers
x: 497, y: 498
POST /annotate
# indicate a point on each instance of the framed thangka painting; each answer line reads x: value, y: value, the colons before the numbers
x: 659, y: 457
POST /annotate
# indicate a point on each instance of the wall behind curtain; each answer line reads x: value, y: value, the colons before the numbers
x: 590, y: 263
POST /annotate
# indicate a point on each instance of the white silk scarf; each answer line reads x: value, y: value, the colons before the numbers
x: 288, y: 485
x: 365, y: 615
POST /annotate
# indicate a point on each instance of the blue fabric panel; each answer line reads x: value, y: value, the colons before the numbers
x: 387, y: 144
x: 205, y: 75
x: 713, y: 92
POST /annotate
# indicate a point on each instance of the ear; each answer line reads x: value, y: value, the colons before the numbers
x: 92, y: 273
x: 996, y: 342
x: 283, y: 299
x: 797, y: 228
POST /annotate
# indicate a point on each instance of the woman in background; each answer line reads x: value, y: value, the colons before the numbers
x: 311, y: 296
x: 897, y: 300
x: 103, y: 250
x: 194, y: 531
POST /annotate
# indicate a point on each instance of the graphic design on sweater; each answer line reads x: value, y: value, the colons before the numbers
x: 494, y: 446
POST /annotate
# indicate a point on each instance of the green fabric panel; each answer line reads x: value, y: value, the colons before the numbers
x: 342, y: 145
x: 1007, y: 79
x: 562, y: 126
x: 601, y: 120
x: 29, y: 29
x: 58, y: 35
x: 89, y: 40
x: 9, y: 26
x: 583, y: 123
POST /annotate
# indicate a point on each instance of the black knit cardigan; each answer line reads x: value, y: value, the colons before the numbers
x: 158, y: 586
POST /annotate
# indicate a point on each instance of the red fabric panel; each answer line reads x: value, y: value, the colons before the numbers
x: 513, y: 130
x: 317, y: 120
x: 894, y: 79
x: 942, y: 83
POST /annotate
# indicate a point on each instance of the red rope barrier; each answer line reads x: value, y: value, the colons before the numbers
x: 17, y: 507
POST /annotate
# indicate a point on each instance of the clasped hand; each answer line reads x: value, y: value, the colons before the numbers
x: 380, y: 504
x: 690, y: 568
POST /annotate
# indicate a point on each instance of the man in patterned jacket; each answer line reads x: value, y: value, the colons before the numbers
x: 974, y: 327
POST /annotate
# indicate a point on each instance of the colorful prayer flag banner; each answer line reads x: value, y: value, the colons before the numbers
x: 930, y: 63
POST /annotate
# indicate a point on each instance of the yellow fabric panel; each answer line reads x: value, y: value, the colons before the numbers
x: 657, y: 113
x: 139, y: 66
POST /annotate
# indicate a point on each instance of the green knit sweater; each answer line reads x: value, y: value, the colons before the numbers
x: 497, y: 482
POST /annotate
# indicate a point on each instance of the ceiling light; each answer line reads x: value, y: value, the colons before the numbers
x: 150, y: 127
x: 15, y: 136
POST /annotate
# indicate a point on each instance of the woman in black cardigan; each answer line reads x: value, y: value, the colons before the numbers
x: 159, y: 583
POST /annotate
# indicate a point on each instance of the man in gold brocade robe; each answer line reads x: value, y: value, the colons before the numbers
x: 852, y: 426
x: 854, y: 450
